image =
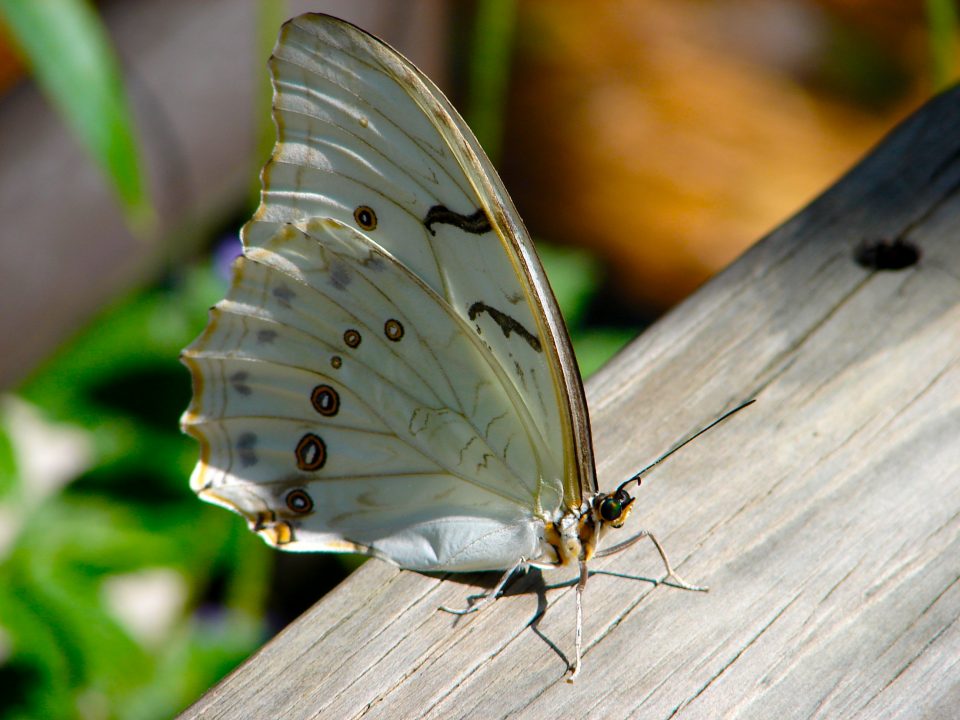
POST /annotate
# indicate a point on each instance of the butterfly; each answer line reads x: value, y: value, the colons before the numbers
x: 389, y: 373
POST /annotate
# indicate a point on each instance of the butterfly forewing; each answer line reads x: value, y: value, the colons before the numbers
x: 389, y: 372
x: 392, y: 132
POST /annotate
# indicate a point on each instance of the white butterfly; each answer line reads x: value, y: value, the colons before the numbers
x: 389, y: 373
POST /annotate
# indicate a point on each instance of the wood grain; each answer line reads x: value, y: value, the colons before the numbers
x: 825, y: 518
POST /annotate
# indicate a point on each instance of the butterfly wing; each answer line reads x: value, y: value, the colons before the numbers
x: 389, y: 372
x: 348, y: 103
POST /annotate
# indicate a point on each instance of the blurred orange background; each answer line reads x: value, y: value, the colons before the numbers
x: 669, y: 135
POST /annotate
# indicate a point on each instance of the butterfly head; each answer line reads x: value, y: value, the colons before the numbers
x: 614, y: 509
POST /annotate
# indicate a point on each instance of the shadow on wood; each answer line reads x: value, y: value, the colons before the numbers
x: 825, y: 519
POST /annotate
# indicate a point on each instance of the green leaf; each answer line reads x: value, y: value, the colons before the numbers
x: 270, y: 16
x: 72, y: 60
x: 490, y: 57
x: 574, y: 275
x: 943, y: 23
x: 9, y: 481
x: 596, y: 346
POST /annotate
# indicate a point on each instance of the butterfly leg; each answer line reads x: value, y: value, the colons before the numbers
x: 581, y: 584
x: 490, y: 596
x: 671, y: 576
x: 677, y: 580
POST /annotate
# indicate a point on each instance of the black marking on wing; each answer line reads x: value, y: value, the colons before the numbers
x: 478, y: 223
x: 519, y: 368
x: 239, y: 382
x: 246, y: 449
x: 284, y: 295
x: 506, y: 323
x: 325, y: 400
x: 299, y: 501
x: 311, y: 453
x: 466, y: 447
x: 339, y: 275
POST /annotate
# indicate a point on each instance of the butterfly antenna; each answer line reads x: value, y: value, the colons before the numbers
x: 683, y: 442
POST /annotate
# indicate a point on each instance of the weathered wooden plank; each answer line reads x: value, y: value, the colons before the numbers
x: 826, y: 518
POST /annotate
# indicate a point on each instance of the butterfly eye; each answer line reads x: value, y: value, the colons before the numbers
x: 299, y: 502
x: 366, y: 218
x: 610, y: 509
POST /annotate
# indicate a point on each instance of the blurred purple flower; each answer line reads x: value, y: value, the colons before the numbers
x: 225, y: 252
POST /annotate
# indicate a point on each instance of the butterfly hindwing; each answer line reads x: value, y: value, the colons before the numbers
x: 388, y: 430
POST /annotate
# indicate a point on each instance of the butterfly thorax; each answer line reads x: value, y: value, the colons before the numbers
x: 575, y: 537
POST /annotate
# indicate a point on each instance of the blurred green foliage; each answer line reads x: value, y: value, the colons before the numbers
x: 72, y: 60
x: 943, y: 23
x: 113, y: 502
x: 271, y: 14
x: 491, y: 48
x: 576, y: 276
